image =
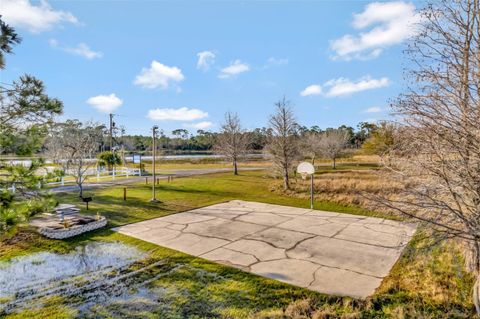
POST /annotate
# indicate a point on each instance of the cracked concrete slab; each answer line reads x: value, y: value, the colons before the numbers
x: 280, y: 238
x: 262, y: 251
x: 223, y: 228
x: 336, y: 281
x: 292, y: 271
x: 317, y: 226
x: 231, y: 257
x: 333, y: 253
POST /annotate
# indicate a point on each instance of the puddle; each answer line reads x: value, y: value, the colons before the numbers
x: 101, y: 280
x: 87, y: 271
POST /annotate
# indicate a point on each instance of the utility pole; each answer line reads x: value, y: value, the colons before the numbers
x: 111, y: 132
x: 154, y: 146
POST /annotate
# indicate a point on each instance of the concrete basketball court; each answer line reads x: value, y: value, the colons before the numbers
x: 332, y: 253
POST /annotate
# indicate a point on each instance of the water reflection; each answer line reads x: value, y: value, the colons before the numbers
x: 29, y: 278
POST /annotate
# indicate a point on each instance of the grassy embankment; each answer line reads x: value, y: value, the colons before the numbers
x: 427, y: 282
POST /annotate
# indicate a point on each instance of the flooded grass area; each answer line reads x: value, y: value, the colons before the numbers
x: 89, y: 270
x: 110, y: 275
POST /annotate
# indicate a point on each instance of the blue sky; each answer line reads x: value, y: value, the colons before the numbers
x: 183, y: 64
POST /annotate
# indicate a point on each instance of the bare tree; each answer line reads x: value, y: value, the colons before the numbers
x: 232, y: 142
x: 437, y: 152
x: 333, y: 143
x: 310, y: 145
x: 282, y: 142
x: 74, y: 145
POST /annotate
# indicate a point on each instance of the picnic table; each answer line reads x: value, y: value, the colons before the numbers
x: 66, y: 209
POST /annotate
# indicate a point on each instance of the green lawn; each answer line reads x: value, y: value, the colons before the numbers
x: 186, y: 193
x: 427, y: 282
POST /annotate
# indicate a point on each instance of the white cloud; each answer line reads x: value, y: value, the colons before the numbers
x: 374, y: 109
x: 81, y: 49
x: 343, y: 86
x: 313, y: 89
x: 105, y: 103
x: 180, y: 114
x: 158, y: 76
x: 272, y: 61
x: 236, y: 67
x: 200, y: 125
x: 390, y: 23
x: 34, y: 18
x: 205, y: 60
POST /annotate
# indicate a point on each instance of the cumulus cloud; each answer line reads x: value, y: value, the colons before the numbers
x: 180, y: 114
x: 344, y: 86
x: 313, y: 89
x: 158, y: 75
x: 105, y: 103
x: 34, y: 18
x: 236, y: 67
x: 379, y: 26
x: 81, y: 49
x: 205, y: 60
x: 374, y: 109
x: 200, y: 125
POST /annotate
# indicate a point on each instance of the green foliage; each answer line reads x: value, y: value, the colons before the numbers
x: 27, y: 199
x: 25, y: 112
x: 25, y: 142
x: 109, y: 159
x: 8, y: 37
x: 380, y: 140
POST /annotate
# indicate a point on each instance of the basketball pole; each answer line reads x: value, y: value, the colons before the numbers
x: 311, y: 191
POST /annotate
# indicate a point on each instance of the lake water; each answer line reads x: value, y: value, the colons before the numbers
x: 129, y: 158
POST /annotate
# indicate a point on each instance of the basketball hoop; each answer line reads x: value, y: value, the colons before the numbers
x: 306, y: 169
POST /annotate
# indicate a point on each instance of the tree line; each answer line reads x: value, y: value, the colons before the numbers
x: 35, y: 139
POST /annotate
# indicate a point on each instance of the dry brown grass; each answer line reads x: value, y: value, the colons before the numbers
x: 351, y: 187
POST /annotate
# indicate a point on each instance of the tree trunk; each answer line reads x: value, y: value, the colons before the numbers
x: 476, y: 294
x: 334, y: 163
x: 286, y: 183
x: 81, y: 190
x: 235, y: 168
x: 476, y: 286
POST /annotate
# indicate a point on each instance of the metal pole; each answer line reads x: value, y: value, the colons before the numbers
x: 311, y: 191
x: 111, y: 132
x: 154, y: 133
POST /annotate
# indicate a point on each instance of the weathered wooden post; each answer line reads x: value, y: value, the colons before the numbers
x: 124, y: 193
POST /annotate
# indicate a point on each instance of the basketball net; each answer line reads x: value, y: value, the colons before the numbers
x: 304, y: 175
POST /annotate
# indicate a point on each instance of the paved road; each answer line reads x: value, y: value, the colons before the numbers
x: 333, y: 253
x: 137, y: 179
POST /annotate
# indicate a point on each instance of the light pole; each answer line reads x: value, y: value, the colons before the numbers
x: 154, y: 135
